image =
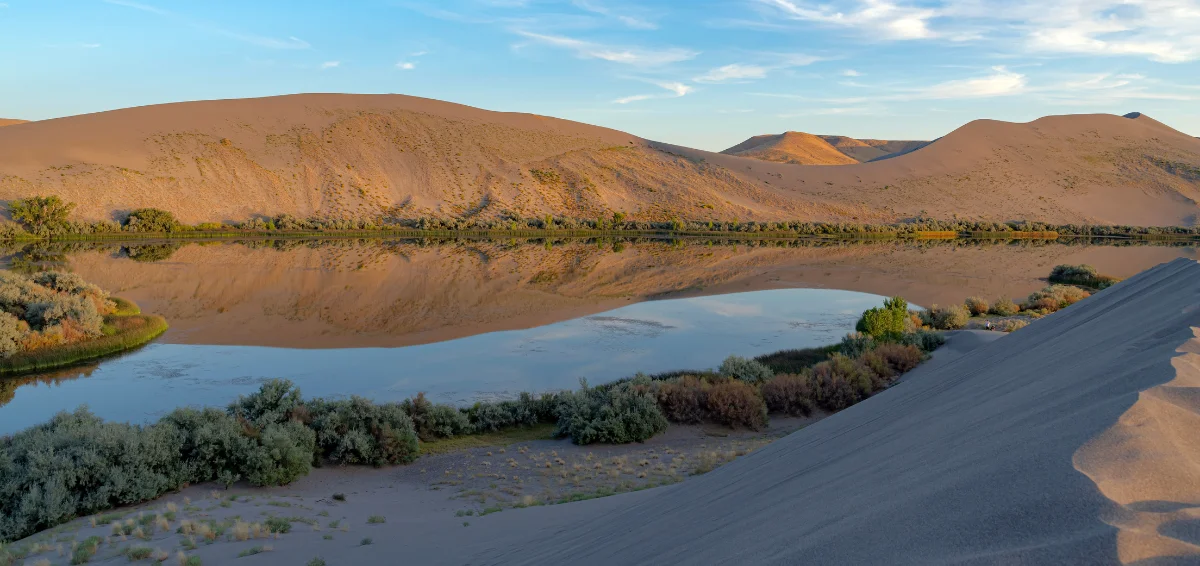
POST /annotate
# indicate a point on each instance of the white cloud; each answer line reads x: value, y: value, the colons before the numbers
x: 330, y: 64
x: 623, y: 55
x: 880, y: 18
x: 1001, y: 82
x: 406, y: 66
x: 89, y: 45
x: 851, y: 73
x: 734, y: 72
x: 677, y: 89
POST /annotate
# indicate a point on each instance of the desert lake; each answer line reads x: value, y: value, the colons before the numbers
x: 464, y: 320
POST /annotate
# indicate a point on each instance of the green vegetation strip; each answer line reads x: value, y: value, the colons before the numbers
x: 129, y: 331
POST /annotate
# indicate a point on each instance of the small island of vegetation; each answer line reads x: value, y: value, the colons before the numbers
x: 54, y: 319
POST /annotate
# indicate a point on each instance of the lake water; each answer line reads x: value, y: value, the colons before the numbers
x: 469, y: 320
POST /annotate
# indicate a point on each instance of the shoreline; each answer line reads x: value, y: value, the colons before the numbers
x: 139, y: 330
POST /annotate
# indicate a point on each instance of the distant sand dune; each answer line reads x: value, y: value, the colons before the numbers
x: 366, y: 156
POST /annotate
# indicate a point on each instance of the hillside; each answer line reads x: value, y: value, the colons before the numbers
x: 399, y: 156
x: 10, y: 122
x: 796, y: 148
x: 864, y: 150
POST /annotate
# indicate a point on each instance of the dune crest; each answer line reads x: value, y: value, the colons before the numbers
x: 1149, y: 464
x: 797, y: 148
x: 10, y: 122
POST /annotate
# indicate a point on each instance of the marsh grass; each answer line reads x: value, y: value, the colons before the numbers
x: 543, y: 431
x: 121, y: 333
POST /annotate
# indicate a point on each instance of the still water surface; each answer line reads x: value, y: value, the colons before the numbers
x: 464, y: 320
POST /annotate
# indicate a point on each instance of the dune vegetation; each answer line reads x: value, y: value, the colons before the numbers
x: 52, y: 319
x: 48, y: 217
x: 274, y: 436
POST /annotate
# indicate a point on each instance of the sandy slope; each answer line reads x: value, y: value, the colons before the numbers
x: 970, y: 461
x: 369, y: 155
x: 797, y: 148
x: 10, y: 122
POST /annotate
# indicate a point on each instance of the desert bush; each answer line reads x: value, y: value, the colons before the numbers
x: 1055, y: 297
x: 213, y: 445
x: 742, y: 369
x: 151, y: 220
x: 977, y: 306
x: 899, y: 357
x: 841, y: 382
x: 684, y: 400
x: 789, y: 393
x: 436, y: 421
x: 526, y: 410
x: 627, y: 412
x: 1005, y: 307
x: 1010, y: 325
x: 275, y: 402
x: 946, y: 318
x: 41, y: 215
x: 12, y: 331
x: 924, y: 340
x: 357, y: 431
x: 736, y: 403
x: 856, y: 343
x: 886, y: 321
x: 795, y: 361
x: 76, y: 464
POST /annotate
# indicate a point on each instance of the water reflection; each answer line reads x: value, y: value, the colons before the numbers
x: 652, y: 337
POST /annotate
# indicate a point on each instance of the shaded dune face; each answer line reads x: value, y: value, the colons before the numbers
x: 796, y: 148
x: 976, y: 459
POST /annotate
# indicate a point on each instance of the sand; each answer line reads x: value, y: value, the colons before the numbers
x: 370, y: 155
x: 797, y: 148
x: 10, y: 122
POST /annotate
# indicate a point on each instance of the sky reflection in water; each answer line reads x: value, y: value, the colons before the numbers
x: 651, y: 337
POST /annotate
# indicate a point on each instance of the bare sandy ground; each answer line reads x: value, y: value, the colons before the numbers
x: 391, y: 294
x: 371, y: 155
x: 797, y: 148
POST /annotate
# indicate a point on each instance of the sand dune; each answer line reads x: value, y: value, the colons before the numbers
x: 968, y: 461
x: 869, y: 150
x: 797, y: 148
x: 371, y: 155
x: 10, y: 122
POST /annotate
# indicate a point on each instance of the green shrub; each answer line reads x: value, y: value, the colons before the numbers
x: 527, y: 410
x: 213, y: 444
x: 856, y: 343
x: 283, y: 455
x: 736, y: 403
x: 952, y: 317
x: 1055, y: 297
x: 977, y: 306
x: 1010, y: 325
x: 1005, y: 307
x: 278, y: 525
x: 795, y: 361
x: 151, y: 220
x: 41, y: 215
x: 437, y: 421
x: 886, y: 321
x: 357, y: 431
x: 742, y: 369
x: 623, y: 413
x: 792, y: 394
x: 841, y: 382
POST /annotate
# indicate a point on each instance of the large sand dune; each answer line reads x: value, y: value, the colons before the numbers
x: 1071, y: 441
x: 369, y: 155
x: 10, y: 122
x: 797, y: 148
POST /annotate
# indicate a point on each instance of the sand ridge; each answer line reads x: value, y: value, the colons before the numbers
x: 367, y: 156
x: 797, y: 148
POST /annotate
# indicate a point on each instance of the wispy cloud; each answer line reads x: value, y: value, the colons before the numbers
x: 677, y: 90
x: 851, y: 73
x: 406, y: 65
x: 259, y: 40
x: 1001, y: 82
x: 745, y: 72
x: 330, y: 65
x: 879, y: 17
x: 623, y: 55
x: 595, y: 7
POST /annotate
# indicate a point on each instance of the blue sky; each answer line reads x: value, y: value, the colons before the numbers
x: 702, y: 73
